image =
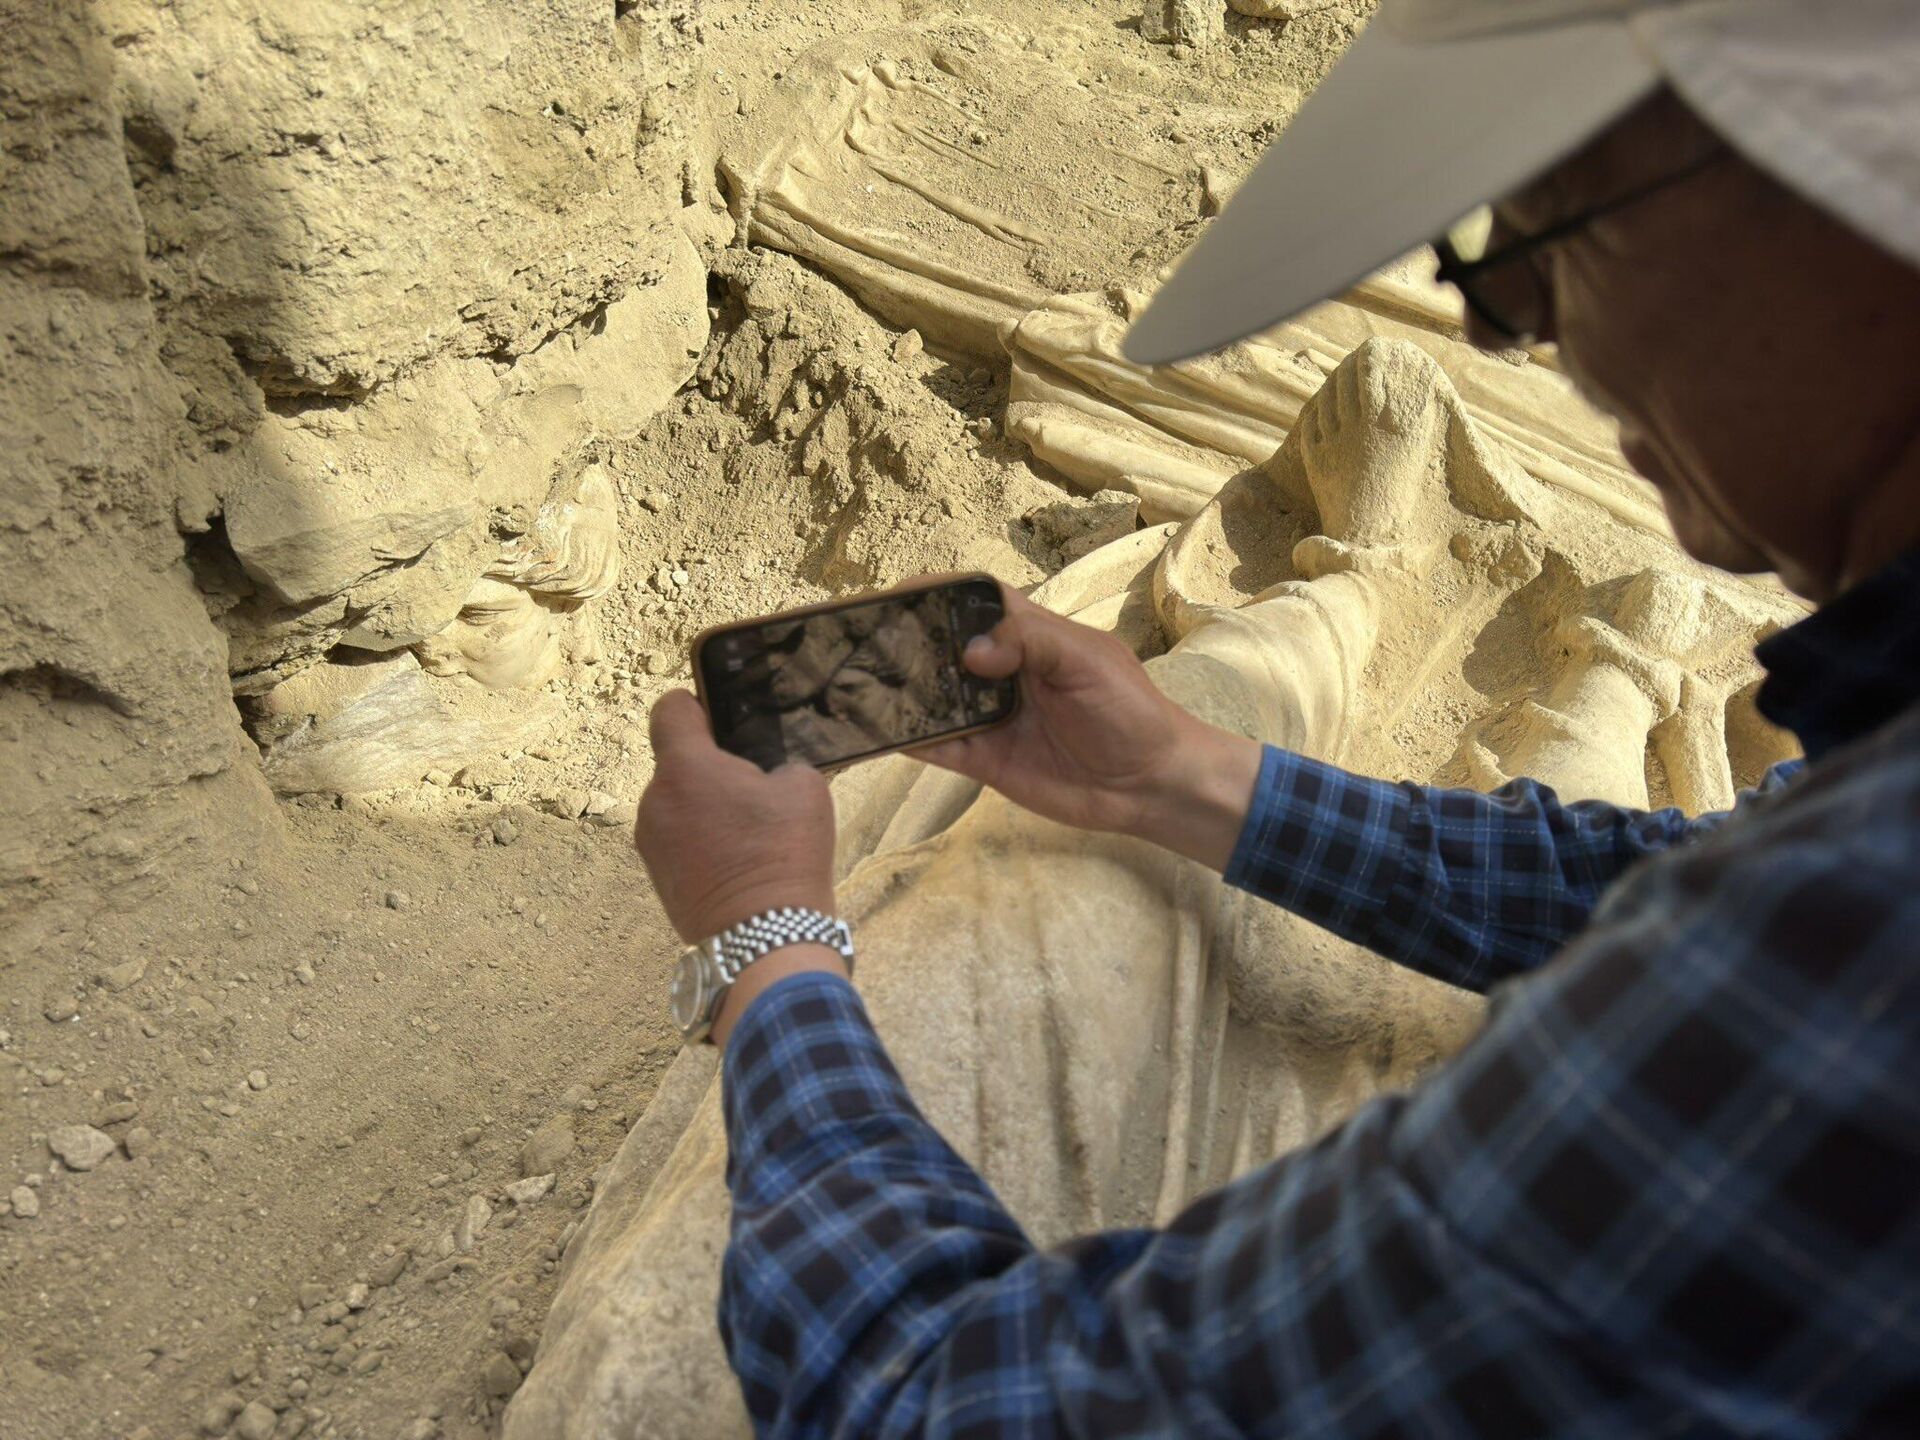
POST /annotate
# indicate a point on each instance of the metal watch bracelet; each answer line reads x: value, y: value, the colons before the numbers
x: 740, y: 945
x: 707, y: 970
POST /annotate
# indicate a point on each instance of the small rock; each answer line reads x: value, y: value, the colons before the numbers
x: 257, y: 1080
x: 505, y: 832
x: 484, y: 774
x: 366, y: 1362
x: 300, y: 1030
x: 312, y: 1295
x: 60, y: 1009
x: 471, y: 1136
x: 575, y: 1097
x: 26, y: 1204
x: 398, y: 900
x: 220, y: 1412
x: 525, y: 1192
x: 473, y: 1220
x: 547, y: 1147
x: 439, y: 777
x: 118, y: 1113
x: 81, y: 1147
x: 303, y: 972
x: 425, y: 1428
x: 256, y: 1422
x: 567, y: 804
x: 618, y: 816
x: 119, y: 977
x: 656, y: 662
x: 138, y: 1142
x: 385, y: 1272
x: 655, y: 501
x: 500, y: 1377
x: 908, y: 345
x: 357, y: 1296
x: 600, y: 801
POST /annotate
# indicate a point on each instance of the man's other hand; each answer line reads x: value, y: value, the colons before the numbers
x: 1097, y: 745
x: 723, y: 839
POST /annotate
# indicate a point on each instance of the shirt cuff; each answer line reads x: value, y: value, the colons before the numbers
x: 1277, y: 771
x: 803, y: 1069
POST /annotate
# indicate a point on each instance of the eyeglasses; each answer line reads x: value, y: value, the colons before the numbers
x: 1466, y: 261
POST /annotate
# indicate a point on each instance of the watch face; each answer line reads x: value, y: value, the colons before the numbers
x: 691, y: 990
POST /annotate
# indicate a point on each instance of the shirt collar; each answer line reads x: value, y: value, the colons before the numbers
x: 1851, y: 666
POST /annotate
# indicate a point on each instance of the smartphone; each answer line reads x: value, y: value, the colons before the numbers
x: 851, y: 679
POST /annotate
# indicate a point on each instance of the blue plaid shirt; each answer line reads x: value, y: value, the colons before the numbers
x: 1672, y: 1189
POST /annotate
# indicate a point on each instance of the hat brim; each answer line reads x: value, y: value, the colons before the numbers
x: 1399, y: 141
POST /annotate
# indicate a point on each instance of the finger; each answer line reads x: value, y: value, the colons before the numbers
x: 960, y: 756
x: 678, y: 726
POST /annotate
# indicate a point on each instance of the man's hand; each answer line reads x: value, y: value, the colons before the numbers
x: 1097, y: 745
x: 724, y: 840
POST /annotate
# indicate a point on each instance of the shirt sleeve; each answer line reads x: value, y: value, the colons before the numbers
x: 1667, y: 1190
x: 1470, y: 888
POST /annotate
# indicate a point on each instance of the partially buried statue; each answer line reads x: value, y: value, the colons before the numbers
x: 1107, y: 1030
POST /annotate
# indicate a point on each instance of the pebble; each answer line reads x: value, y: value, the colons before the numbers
x: 303, y: 972
x: 484, y: 775
x: 398, y: 900
x: 81, y: 1147
x: 220, y: 1412
x: 621, y: 815
x: 500, y: 1377
x: 257, y: 1080
x: 425, y: 1428
x: 567, y: 804
x: 366, y: 1362
x: 60, y: 1010
x: 908, y: 345
x: 655, y: 501
x: 473, y: 1220
x: 439, y: 778
x: 525, y: 1192
x: 139, y: 1142
x: 124, y: 975
x: 385, y: 1272
x: 256, y: 1422
x: 547, y: 1147
x: 312, y: 1295
x: 300, y: 1030
x: 357, y: 1296
x: 249, y: 886
x: 505, y: 832
x: 119, y: 1112
x: 471, y: 1136
x: 656, y: 662
x: 26, y: 1204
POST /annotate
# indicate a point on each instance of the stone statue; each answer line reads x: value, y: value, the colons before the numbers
x: 1384, y: 581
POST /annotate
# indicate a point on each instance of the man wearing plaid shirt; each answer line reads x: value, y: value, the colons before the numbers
x: 1673, y: 1187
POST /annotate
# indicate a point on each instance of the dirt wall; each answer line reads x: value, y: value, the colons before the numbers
x: 300, y: 308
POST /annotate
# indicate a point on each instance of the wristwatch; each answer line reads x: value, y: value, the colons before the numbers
x: 707, y: 970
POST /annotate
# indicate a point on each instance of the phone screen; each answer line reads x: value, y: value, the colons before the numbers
x: 839, y: 684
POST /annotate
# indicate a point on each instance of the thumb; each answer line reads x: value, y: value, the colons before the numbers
x: 1028, y: 639
x: 678, y: 726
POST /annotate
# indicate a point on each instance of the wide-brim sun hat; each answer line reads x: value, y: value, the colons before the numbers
x: 1441, y: 105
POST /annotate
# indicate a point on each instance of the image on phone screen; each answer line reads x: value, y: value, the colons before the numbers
x: 836, y: 685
